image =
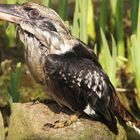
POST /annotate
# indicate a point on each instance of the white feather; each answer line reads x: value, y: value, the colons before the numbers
x: 89, y: 111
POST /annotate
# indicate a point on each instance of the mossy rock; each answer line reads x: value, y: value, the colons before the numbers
x: 27, y: 123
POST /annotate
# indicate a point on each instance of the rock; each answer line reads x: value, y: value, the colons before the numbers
x: 27, y: 123
x: 2, y: 134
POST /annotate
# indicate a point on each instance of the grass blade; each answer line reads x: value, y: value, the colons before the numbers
x: 13, y: 88
x: 135, y: 49
x: 90, y: 21
x: 104, y: 14
x: 83, y: 19
x: 119, y: 30
x: 134, y: 15
x: 107, y: 60
x: 63, y: 9
x: 75, y: 28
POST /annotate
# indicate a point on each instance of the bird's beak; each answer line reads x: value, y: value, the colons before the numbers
x: 11, y: 13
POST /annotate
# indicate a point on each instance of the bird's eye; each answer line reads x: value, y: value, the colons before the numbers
x: 34, y: 13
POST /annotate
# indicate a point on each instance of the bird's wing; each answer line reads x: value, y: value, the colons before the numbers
x: 82, y: 50
x: 81, y: 85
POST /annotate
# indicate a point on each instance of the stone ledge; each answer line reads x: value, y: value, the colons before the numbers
x: 27, y: 123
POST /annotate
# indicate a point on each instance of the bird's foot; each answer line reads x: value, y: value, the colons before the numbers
x: 35, y: 101
x: 60, y: 124
x: 57, y: 124
x: 44, y: 101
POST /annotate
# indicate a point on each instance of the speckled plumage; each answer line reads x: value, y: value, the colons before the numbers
x: 86, y: 82
x: 65, y: 65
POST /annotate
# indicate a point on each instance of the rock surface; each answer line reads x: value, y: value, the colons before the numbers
x: 1, y: 128
x: 27, y: 123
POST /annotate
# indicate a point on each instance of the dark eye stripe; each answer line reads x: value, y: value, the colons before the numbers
x: 51, y: 26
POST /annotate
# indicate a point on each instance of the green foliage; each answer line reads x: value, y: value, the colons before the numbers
x: 119, y: 29
x: 75, y: 28
x: 104, y: 14
x: 11, y: 1
x: 113, y: 6
x: 108, y: 61
x: 79, y: 28
x: 90, y: 21
x: 135, y: 50
x: 46, y: 2
x: 134, y: 15
x: 108, y: 55
x: 13, y: 88
x: 10, y: 35
x: 63, y: 9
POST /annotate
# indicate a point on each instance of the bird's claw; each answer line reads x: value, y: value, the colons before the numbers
x: 61, y: 124
x: 58, y: 124
x: 35, y: 102
x: 49, y: 125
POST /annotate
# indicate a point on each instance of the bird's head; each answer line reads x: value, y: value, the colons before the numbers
x: 39, y: 23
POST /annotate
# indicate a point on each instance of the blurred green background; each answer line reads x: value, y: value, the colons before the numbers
x: 110, y: 27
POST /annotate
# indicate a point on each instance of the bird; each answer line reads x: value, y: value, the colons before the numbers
x: 66, y: 66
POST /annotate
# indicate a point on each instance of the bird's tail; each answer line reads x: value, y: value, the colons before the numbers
x: 126, y: 116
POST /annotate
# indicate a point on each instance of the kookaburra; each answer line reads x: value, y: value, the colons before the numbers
x: 66, y: 66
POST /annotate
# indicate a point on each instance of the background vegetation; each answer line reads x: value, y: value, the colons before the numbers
x: 110, y: 27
